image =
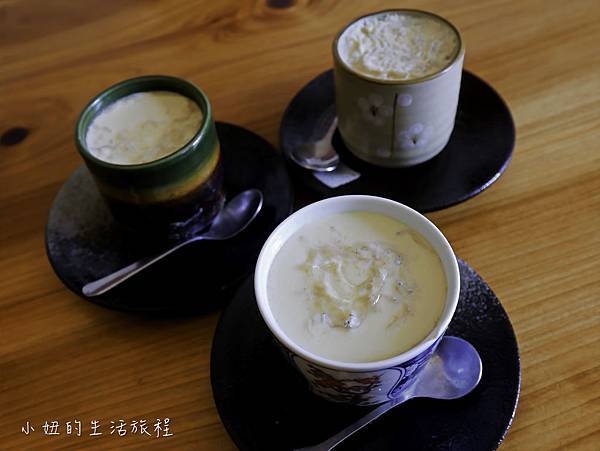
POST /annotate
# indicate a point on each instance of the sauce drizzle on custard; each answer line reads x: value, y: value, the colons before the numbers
x: 347, y: 282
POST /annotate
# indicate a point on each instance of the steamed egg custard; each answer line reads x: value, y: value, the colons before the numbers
x: 356, y: 287
x: 399, y: 46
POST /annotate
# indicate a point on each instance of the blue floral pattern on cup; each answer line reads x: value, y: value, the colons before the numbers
x: 361, y: 388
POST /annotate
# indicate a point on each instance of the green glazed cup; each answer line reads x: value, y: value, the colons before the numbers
x: 175, y: 195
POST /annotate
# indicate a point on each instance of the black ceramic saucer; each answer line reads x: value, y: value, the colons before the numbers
x: 265, y: 405
x: 478, y: 152
x: 84, y: 243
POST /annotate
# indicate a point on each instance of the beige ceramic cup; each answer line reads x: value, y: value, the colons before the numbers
x: 397, y: 123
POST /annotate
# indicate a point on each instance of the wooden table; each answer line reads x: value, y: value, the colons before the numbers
x: 533, y: 235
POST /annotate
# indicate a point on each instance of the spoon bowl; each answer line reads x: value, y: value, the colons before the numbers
x: 235, y: 216
x: 318, y: 155
x: 452, y: 372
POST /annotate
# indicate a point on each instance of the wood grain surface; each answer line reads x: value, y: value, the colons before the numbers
x: 534, y: 235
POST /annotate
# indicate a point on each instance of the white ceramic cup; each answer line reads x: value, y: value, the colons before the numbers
x: 358, y: 383
x: 397, y: 123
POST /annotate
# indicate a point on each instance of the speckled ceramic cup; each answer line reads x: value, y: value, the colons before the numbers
x: 173, y: 195
x: 397, y: 123
x: 370, y: 382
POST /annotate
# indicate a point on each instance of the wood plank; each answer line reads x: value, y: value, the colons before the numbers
x: 533, y: 235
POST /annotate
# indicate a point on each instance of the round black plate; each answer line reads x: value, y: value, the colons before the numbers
x: 479, y: 149
x: 84, y: 243
x: 265, y: 405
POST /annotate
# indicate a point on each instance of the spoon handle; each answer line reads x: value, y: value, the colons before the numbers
x: 338, y: 438
x: 116, y: 278
x: 331, y: 130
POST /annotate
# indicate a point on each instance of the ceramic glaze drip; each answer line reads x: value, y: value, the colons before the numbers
x: 143, y: 127
x: 397, y: 46
x: 356, y: 287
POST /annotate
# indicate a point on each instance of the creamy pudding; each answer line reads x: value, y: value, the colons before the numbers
x: 356, y: 287
x: 143, y: 127
x: 398, y: 45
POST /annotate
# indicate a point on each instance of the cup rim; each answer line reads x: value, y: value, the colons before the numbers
x: 267, y: 256
x: 342, y: 64
x: 92, y: 109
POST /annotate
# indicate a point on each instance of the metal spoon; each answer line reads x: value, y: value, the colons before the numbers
x: 233, y: 218
x: 453, y: 371
x: 318, y: 155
